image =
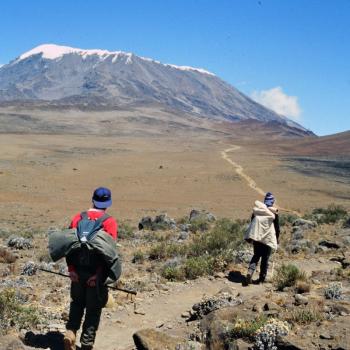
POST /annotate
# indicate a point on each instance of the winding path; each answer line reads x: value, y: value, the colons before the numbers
x: 251, y: 183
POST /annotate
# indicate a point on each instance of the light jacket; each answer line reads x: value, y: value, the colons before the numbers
x: 261, y: 228
x: 63, y: 243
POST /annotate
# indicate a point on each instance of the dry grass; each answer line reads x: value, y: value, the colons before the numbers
x: 7, y: 256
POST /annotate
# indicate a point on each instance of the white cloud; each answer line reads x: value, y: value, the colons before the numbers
x: 279, y: 102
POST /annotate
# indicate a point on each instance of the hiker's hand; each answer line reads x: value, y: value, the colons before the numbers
x: 73, y: 276
x: 91, y: 282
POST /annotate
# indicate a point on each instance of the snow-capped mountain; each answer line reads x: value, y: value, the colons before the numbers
x: 66, y: 75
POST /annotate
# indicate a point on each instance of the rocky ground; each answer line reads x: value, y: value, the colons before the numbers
x: 188, y: 273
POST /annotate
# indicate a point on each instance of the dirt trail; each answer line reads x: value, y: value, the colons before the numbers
x: 251, y: 183
x: 163, y: 308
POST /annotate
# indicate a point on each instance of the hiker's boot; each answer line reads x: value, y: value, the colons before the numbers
x: 248, y: 279
x: 261, y: 280
x: 69, y: 340
x: 86, y: 347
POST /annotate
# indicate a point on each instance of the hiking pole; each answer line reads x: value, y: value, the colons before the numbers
x: 128, y: 291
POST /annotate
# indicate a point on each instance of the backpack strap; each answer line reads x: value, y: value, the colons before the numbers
x: 98, y: 225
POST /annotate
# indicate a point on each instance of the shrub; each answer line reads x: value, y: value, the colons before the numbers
x: 197, y: 266
x: 125, y: 231
x: 139, y: 257
x: 164, y: 250
x: 173, y: 273
x: 247, y: 329
x: 226, y: 236
x: 199, y: 225
x: 330, y: 215
x: 285, y: 219
x: 334, y: 291
x: 13, y: 314
x: 287, y: 276
x: 304, y: 316
x: 267, y: 335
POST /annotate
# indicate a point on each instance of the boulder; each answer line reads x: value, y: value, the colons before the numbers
x: 330, y: 244
x: 160, y: 222
x: 183, y: 235
x: 286, y: 343
x: 297, y: 234
x: 306, y: 224
x: 184, y: 227
x: 196, y: 214
x: 211, y: 304
x: 145, y: 223
x: 301, y: 299
x: 297, y: 246
x: 150, y: 339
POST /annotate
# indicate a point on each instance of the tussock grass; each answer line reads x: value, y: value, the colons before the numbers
x: 125, y: 231
x: 287, y: 276
x: 304, y: 316
x: 15, y: 315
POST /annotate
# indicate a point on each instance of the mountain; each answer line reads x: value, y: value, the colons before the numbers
x: 61, y: 75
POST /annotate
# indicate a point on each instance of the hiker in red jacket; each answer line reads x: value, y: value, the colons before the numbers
x: 88, y: 291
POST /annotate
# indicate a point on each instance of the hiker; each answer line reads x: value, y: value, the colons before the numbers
x: 263, y: 232
x: 88, y: 272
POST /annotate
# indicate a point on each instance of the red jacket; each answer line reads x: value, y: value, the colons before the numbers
x: 109, y: 225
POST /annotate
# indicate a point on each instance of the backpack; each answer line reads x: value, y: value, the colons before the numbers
x: 87, y: 230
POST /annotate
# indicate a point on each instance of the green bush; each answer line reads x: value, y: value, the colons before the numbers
x: 164, y: 250
x: 330, y: 215
x: 287, y: 276
x: 224, y: 237
x: 15, y: 315
x: 199, y: 225
x: 125, y: 231
x: 207, y: 253
x: 285, y: 219
x: 173, y: 273
x: 139, y: 257
x: 198, y: 266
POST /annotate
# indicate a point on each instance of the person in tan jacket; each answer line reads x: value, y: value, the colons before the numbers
x: 263, y: 232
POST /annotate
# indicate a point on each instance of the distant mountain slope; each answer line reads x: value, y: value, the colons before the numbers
x: 336, y: 145
x: 68, y: 76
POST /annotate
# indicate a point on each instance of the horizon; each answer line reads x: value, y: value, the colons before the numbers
x: 278, y: 57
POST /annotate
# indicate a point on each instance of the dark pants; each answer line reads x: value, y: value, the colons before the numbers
x: 91, y: 300
x: 262, y: 251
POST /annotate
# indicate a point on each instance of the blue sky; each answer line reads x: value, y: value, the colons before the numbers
x: 291, y: 55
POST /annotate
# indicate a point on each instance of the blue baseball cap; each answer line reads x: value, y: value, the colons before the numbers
x: 102, y: 198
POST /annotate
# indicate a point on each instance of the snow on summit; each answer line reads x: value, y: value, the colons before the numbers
x: 52, y: 52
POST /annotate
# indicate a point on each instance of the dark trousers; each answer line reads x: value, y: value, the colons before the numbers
x: 262, y: 251
x: 91, y: 300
